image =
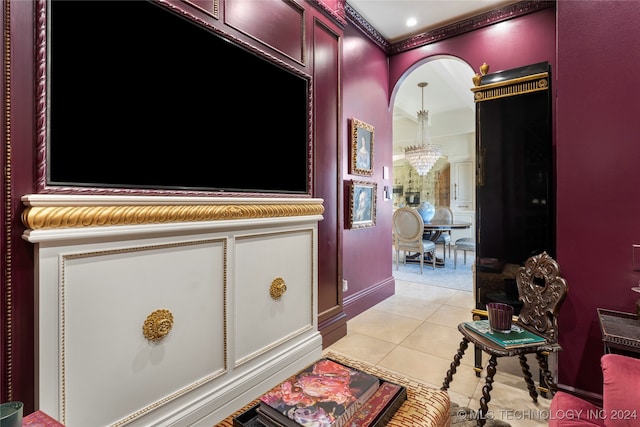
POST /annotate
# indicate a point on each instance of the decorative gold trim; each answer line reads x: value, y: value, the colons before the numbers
x: 480, y: 313
x: 52, y: 217
x: 157, y: 325
x: 362, y: 130
x: 368, y: 218
x: 8, y: 206
x: 277, y: 288
x: 521, y: 85
x: 477, y: 79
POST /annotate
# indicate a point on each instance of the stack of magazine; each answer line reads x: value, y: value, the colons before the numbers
x: 329, y: 394
x: 517, y: 337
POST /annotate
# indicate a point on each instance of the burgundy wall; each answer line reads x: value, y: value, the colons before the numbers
x: 598, y: 162
x: 17, y: 369
x: 509, y: 44
x: 597, y: 154
x: 327, y: 184
x: 366, y: 255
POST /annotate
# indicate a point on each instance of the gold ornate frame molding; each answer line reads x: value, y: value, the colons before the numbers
x: 43, y: 212
x: 518, y: 86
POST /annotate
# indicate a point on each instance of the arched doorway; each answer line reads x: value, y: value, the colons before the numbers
x: 449, y: 100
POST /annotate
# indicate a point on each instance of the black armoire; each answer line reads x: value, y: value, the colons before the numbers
x: 515, y: 186
x: 515, y: 200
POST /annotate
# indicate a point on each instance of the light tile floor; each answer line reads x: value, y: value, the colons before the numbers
x: 414, y: 333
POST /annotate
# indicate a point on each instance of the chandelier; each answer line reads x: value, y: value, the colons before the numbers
x: 424, y: 154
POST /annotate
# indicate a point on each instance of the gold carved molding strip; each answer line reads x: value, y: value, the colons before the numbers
x: 52, y: 217
x: 7, y: 190
x: 528, y: 84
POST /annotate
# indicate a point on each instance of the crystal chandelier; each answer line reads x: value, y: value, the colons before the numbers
x: 424, y: 154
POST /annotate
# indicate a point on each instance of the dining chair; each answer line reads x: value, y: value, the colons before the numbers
x: 464, y: 244
x: 444, y: 214
x: 542, y: 291
x: 408, y: 228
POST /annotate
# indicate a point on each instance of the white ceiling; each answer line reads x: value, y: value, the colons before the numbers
x: 448, y: 89
x: 389, y: 17
x: 448, y: 97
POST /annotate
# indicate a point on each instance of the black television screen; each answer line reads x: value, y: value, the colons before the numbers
x: 139, y: 97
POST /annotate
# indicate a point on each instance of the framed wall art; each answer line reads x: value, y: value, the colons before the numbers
x: 362, y: 204
x: 362, y: 145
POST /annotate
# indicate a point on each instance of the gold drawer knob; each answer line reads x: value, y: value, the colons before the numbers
x: 277, y: 288
x: 157, y: 325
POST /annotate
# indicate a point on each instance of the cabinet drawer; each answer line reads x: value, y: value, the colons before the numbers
x: 108, y: 297
x: 261, y: 321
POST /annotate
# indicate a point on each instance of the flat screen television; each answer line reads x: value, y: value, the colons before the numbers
x: 140, y: 97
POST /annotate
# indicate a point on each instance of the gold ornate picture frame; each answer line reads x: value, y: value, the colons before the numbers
x: 362, y: 145
x: 362, y: 204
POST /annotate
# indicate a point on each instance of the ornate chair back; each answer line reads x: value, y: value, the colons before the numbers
x: 408, y: 227
x: 542, y: 291
x: 444, y: 214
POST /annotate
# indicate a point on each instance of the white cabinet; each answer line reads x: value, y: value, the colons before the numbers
x: 462, y: 191
x: 169, y: 311
x: 462, y: 197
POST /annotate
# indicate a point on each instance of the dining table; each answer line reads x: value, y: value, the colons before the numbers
x: 434, y: 229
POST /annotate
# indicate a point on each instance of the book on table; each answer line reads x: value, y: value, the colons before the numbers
x: 378, y: 410
x: 325, y: 394
x: 518, y: 337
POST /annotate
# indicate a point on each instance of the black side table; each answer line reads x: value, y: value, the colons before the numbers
x: 620, y: 332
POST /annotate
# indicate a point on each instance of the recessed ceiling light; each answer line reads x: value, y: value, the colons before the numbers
x: 411, y: 22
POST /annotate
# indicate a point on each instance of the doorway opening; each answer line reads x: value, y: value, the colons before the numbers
x: 451, y: 180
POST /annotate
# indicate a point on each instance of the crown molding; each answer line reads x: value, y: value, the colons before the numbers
x: 356, y: 19
x: 470, y: 24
